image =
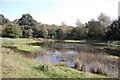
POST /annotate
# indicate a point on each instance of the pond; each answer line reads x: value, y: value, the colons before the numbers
x: 81, y: 56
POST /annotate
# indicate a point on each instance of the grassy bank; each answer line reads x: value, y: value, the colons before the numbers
x: 21, y: 44
x: 16, y: 66
x: 107, y: 43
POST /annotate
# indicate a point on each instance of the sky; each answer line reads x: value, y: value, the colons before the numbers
x: 57, y: 11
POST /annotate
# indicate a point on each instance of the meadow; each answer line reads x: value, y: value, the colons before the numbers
x: 18, y: 62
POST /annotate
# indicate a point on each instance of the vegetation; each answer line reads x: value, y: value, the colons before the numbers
x: 16, y: 66
x: 101, y: 29
x: 95, y: 30
x: 113, y: 32
x: 46, y: 69
x: 12, y: 30
x: 21, y: 44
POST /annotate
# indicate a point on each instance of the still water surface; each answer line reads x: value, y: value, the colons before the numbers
x: 85, y: 54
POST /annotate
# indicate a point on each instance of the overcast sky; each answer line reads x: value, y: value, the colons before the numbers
x: 56, y: 11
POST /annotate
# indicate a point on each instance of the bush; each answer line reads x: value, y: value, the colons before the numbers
x: 42, y: 67
x: 12, y: 31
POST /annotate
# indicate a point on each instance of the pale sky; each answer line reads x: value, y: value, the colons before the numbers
x: 56, y: 11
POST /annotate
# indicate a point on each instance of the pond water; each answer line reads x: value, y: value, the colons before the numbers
x: 84, y: 57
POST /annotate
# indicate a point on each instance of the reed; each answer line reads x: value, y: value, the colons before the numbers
x: 98, y: 68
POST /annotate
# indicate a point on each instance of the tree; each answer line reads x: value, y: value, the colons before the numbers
x: 113, y: 32
x: 104, y: 20
x: 40, y: 30
x: 51, y: 33
x: 61, y: 32
x: 3, y: 20
x: 28, y: 33
x: 26, y: 19
x: 12, y: 31
x: 95, y: 30
x: 78, y: 33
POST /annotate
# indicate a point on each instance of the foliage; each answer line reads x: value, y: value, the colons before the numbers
x: 61, y: 33
x: 51, y: 33
x: 12, y: 31
x: 26, y: 19
x: 28, y: 33
x: 113, y: 32
x: 3, y: 20
x: 40, y: 31
x: 95, y: 30
x: 78, y: 33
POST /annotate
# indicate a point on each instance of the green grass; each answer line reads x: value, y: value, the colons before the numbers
x: 109, y: 43
x: 21, y: 44
x: 74, y: 41
x: 16, y: 66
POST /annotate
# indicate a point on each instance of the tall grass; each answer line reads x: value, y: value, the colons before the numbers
x: 98, y: 68
x: 99, y: 63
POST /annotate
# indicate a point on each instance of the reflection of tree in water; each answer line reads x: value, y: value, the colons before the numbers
x: 64, y: 57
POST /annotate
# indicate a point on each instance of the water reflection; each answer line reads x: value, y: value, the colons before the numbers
x: 84, y: 57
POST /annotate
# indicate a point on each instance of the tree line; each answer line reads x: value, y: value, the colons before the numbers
x: 26, y: 27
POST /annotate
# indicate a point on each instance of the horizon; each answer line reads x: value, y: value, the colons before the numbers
x: 57, y: 11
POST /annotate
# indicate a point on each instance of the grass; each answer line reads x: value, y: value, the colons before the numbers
x: 98, y: 63
x: 108, y: 43
x: 74, y: 41
x: 16, y: 66
x: 21, y: 44
x: 98, y: 68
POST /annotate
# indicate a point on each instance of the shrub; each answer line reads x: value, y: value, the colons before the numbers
x: 12, y: 31
x: 42, y: 67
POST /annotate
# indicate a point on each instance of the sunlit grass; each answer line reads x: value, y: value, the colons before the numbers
x: 110, y: 43
x: 21, y: 44
x: 75, y: 41
x: 24, y: 46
